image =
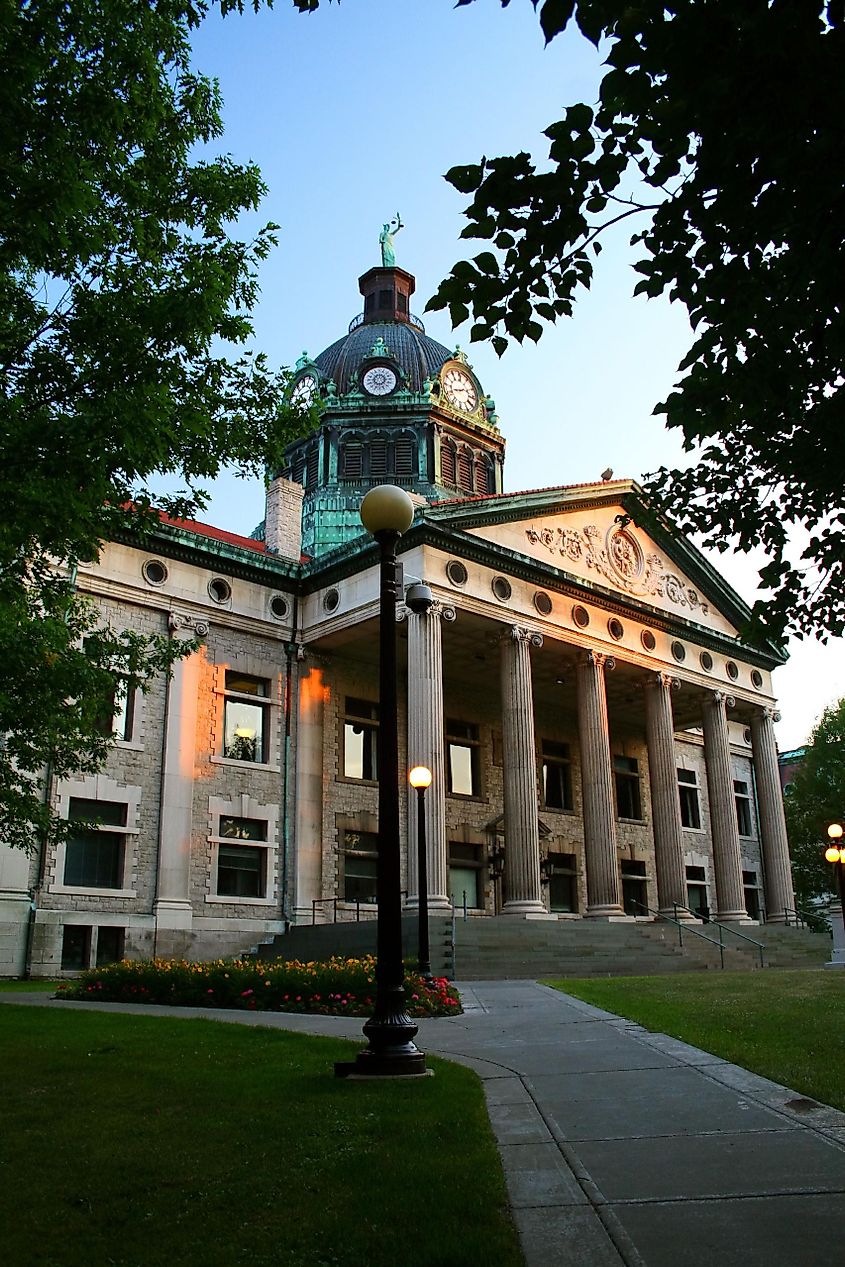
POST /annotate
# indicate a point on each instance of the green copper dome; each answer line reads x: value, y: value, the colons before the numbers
x: 419, y: 356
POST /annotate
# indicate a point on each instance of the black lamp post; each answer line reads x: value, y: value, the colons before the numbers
x: 387, y: 512
x: 835, y: 853
x: 420, y: 779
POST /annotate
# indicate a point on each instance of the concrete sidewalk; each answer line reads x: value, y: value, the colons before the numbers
x: 621, y: 1146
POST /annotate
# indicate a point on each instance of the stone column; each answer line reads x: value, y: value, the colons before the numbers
x: 727, y: 860
x: 523, y: 894
x: 173, y: 909
x: 427, y: 746
x: 604, y: 887
x: 778, y: 873
x: 312, y: 696
x: 665, y: 803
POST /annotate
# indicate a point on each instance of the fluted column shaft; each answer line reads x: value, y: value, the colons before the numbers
x: 172, y: 904
x: 665, y: 803
x: 604, y: 888
x: 523, y: 894
x: 313, y: 694
x: 427, y: 746
x: 778, y: 873
x: 727, y: 859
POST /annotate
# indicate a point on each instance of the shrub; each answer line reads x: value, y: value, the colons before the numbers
x: 333, y: 987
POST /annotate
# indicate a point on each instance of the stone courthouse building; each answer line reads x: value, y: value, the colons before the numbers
x: 601, y: 739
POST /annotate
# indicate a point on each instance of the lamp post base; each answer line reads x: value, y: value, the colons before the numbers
x: 392, y: 1052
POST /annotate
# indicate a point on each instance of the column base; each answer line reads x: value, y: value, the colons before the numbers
x: 170, y: 913
x: 615, y: 913
x: 668, y: 912
x: 733, y: 917
x: 525, y: 907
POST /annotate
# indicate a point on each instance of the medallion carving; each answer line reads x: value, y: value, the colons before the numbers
x: 618, y: 557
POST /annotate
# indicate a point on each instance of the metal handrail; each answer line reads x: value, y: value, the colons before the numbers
x: 683, y: 927
x: 816, y: 921
x: 728, y: 928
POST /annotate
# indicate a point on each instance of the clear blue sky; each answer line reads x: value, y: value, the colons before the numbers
x: 355, y: 112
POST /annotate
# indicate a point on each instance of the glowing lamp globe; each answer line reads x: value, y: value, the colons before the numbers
x: 832, y: 854
x: 420, y: 776
x: 834, y: 831
x: 387, y: 508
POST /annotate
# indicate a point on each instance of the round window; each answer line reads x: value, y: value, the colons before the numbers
x: 543, y: 603
x: 501, y: 588
x: 580, y: 616
x: 648, y: 640
x: 456, y: 572
x: 220, y: 590
x: 679, y: 651
x: 757, y: 678
x: 615, y: 628
x: 331, y: 600
x: 733, y: 671
x: 278, y: 606
x: 706, y: 660
x: 154, y: 572
x: 746, y: 734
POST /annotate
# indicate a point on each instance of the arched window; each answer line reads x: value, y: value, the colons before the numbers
x: 465, y: 470
x: 483, y: 474
x: 404, y: 466
x: 297, y: 473
x: 352, y: 460
x: 378, y: 457
x: 447, y: 462
x: 311, y: 467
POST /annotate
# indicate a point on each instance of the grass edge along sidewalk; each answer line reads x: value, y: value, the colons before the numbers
x: 786, y: 1025
x: 151, y: 1140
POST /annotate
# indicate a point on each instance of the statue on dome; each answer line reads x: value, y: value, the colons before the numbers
x: 385, y: 238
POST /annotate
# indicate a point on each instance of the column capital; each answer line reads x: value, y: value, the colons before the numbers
x: 766, y: 712
x: 720, y: 699
x: 519, y: 633
x: 598, y: 658
x: 665, y: 680
x: 438, y: 609
x: 318, y: 659
x: 187, y: 626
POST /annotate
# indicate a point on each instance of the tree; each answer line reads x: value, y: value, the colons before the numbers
x: 122, y: 293
x: 814, y: 799
x: 719, y: 134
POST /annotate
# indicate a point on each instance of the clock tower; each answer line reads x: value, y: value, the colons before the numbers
x: 394, y: 406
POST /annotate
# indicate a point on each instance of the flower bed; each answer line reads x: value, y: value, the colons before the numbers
x: 333, y: 987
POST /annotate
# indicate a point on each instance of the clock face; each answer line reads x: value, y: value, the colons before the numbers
x: 379, y: 381
x: 304, y: 392
x: 460, y: 390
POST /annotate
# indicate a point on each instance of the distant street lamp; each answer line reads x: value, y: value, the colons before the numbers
x: 420, y: 778
x: 835, y: 853
x: 387, y: 512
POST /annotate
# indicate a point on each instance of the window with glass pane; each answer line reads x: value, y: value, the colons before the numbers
x: 241, y: 871
x: 243, y: 828
x: 109, y: 944
x: 124, y: 712
x: 360, y: 740
x: 563, y: 886
x: 463, y: 758
x: 626, y: 775
x: 245, y: 718
x: 743, y: 808
x: 557, y: 775
x: 360, y: 866
x: 688, y: 793
x: 94, y: 855
x: 76, y: 947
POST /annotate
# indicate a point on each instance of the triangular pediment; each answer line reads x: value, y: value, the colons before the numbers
x: 597, y: 539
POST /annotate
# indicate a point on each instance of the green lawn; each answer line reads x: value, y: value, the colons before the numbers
x: 27, y: 987
x: 142, y: 1141
x: 788, y: 1026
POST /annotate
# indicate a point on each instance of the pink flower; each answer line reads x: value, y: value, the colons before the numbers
x: 245, y: 993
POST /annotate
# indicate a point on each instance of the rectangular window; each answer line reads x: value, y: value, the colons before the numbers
x: 241, y: 871
x: 752, y: 893
x: 312, y: 464
x: 245, y: 718
x: 563, y: 887
x: 109, y: 944
x: 634, y: 889
x: 688, y: 793
x: 464, y: 875
x: 697, y: 892
x: 124, y: 712
x: 626, y: 775
x: 557, y: 775
x: 743, y: 808
x: 360, y: 740
x: 360, y: 866
x: 463, y: 763
x: 94, y: 855
x: 76, y: 947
